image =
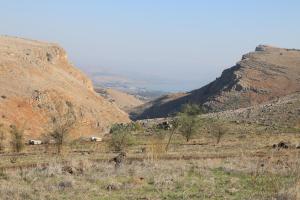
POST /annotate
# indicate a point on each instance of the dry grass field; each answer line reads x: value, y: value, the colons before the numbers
x: 241, y: 166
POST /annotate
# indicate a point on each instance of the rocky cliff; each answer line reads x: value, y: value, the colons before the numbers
x: 36, y: 79
x: 263, y: 75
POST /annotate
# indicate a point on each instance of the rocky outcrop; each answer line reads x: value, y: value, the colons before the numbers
x: 263, y: 75
x: 283, y: 112
x: 36, y: 78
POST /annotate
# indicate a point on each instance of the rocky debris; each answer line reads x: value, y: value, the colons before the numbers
x: 285, y: 145
x: 68, y: 169
x: 119, y: 160
x: 113, y: 186
x: 166, y: 125
x: 261, y: 76
x: 279, y: 113
x: 65, y: 184
x: 37, y: 80
x: 281, y: 145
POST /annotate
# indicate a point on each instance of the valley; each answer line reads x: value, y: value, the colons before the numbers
x: 235, y: 138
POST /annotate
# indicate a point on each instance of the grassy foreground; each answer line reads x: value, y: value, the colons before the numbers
x: 239, y: 167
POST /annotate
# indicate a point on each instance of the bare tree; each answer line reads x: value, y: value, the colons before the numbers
x: 62, y: 123
x: 218, y: 129
x: 2, y: 138
x: 174, y: 127
x: 17, y: 138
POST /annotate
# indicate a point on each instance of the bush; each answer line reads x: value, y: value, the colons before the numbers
x: 2, y: 138
x: 188, y: 120
x: 218, y: 130
x: 132, y: 127
x: 121, y: 136
x: 63, y: 122
x: 17, y: 138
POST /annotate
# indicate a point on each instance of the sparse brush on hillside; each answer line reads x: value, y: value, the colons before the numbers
x: 17, y: 138
x: 133, y: 127
x: 2, y: 138
x: 62, y: 123
x: 189, y: 122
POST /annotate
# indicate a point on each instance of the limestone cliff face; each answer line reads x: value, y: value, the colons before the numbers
x: 35, y: 77
x: 263, y: 75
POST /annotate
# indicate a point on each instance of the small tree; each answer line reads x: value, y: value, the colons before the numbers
x: 174, y: 127
x: 62, y: 122
x: 189, y: 121
x: 2, y: 138
x: 17, y: 138
x: 188, y: 126
x: 121, y: 136
x: 218, y: 129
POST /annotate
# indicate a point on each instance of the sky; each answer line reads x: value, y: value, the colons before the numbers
x: 185, y: 42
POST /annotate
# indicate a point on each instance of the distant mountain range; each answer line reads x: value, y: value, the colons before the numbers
x: 139, y: 88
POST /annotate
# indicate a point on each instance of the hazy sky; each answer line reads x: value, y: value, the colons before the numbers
x: 188, y: 41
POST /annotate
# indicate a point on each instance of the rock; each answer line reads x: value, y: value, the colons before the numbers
x: 119, y: 159
x: 68, y: 169
x: 281, y: 145
x: 113, y: 187
x: 65, y: 184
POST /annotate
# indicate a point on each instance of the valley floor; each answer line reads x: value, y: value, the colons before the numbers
x: 239, y: 167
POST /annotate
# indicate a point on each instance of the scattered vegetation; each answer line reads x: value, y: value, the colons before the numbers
x: 17, y: 138
x: 218, y: 129
x: 2, y: 138
x: 62, y: 123
x: 189, y: 121
x: 122, y: 136
x: 188, y: 170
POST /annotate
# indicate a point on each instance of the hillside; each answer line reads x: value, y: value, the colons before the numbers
x: 123, y: 100
x: 263, y: 75
x: 278, y: 114
x: 37, y: 82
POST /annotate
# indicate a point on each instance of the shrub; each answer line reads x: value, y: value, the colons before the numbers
x: 121, y: 137
x: 63, y: 121
x: 188, y: 120
x: 17, y: 138
x: 132, y: 127
x: 188, y: 126
x: 2, y: 138
x: 218, y: 130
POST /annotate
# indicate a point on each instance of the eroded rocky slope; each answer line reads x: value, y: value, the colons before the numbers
x: 261, y: 76
x: 36, y: 79
x: 279, y: 113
